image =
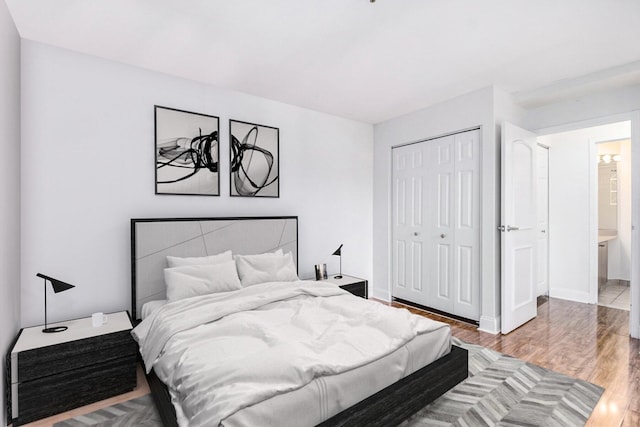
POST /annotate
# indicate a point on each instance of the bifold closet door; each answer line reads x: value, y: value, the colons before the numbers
x: 466, y: 225
x: 409, y: 223
x: 436, y: 236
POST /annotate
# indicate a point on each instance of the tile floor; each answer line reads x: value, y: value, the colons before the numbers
x: 615, y: 294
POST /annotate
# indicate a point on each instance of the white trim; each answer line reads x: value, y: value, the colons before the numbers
x: 598, y: 121
x: 490, y: 324
x: 593, y: 223
x: 634, y: 310
x: 570, y: 295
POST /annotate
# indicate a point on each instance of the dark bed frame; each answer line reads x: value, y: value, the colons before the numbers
x: 387, y: 407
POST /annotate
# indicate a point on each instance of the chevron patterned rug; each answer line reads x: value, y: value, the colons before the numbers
x: 500, y: 391
x: 135, y: 412
x: 504, y: 391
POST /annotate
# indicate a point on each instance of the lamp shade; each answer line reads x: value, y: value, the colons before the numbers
x: 57, y: 285
x: 338, y: 251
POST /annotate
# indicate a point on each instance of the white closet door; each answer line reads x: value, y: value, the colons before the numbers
x: 466, y: 270
x: 409, y: 248
x: 440, y: 231
x: 436, y: 231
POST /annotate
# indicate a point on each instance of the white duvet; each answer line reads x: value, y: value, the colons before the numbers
x: 223, y: 352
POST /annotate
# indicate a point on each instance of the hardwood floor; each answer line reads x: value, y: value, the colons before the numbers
x: 584, y: 341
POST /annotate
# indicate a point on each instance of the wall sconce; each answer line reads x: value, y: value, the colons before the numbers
x: 608, y: 158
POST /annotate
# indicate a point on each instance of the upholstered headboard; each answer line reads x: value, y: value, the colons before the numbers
x: 152, y: 239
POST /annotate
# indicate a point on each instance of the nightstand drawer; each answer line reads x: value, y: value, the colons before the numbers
x: 358, y: 289
x: 53, y: 394
x: 63, y: 357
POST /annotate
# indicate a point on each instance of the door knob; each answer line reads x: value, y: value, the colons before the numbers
x: 442, y: 236
x: 415, y: 233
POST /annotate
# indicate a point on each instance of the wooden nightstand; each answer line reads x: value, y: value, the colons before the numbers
x: 355, y: 285
x: 52, y: 373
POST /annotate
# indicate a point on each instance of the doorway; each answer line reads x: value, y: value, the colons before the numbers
x: 574, y: 213
x: 614, y: 223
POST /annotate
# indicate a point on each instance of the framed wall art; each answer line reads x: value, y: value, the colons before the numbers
x: 254, y: 155
x: 187, y: 152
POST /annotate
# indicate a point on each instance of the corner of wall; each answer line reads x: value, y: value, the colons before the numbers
x: 10, y: 139
x: 490, y: 325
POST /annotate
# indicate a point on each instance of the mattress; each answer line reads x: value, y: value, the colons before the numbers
x: 323, y: 395
x: 327, y: 396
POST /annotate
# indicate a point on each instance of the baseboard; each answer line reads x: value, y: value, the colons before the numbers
x: 491, y: 325
x: 383, y: 295
x: 571, y: 295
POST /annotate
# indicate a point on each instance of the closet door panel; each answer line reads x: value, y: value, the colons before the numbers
x: 408, y: 259
x: 467, y: 227
x: 440, y: 230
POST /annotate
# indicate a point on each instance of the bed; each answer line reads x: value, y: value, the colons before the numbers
x: 382, y: 376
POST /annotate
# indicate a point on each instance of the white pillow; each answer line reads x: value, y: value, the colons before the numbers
x: 192, y: 280
x: 174, y: 261
x: 270, y: 267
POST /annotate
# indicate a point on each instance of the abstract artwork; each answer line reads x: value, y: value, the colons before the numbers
x: 254, y: 153
x: 187, y: 152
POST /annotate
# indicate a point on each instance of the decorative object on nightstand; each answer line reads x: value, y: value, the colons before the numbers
x: 338, y: 252
x: 321, y: 271
x: 58, y: 286
x: 52, y: 373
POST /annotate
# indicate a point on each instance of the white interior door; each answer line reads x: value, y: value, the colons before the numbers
x: 519, y: 226
x: 409, y: 175
x: 543, y: 220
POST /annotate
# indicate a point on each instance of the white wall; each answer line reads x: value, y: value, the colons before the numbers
x: 87, y: 168
x: 475, y: 109
x: 9, y: 185
x: 572, y: 196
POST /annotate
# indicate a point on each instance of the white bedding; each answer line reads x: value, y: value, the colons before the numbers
x: 248, y: 347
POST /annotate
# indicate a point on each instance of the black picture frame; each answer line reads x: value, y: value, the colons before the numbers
x: 254, y: 154
x: 187, y: 152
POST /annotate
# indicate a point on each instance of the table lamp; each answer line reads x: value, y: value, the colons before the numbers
x: 338, y: 252
x: 58, y: 286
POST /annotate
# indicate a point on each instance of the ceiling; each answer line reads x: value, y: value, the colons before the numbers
x: 353, y: 58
